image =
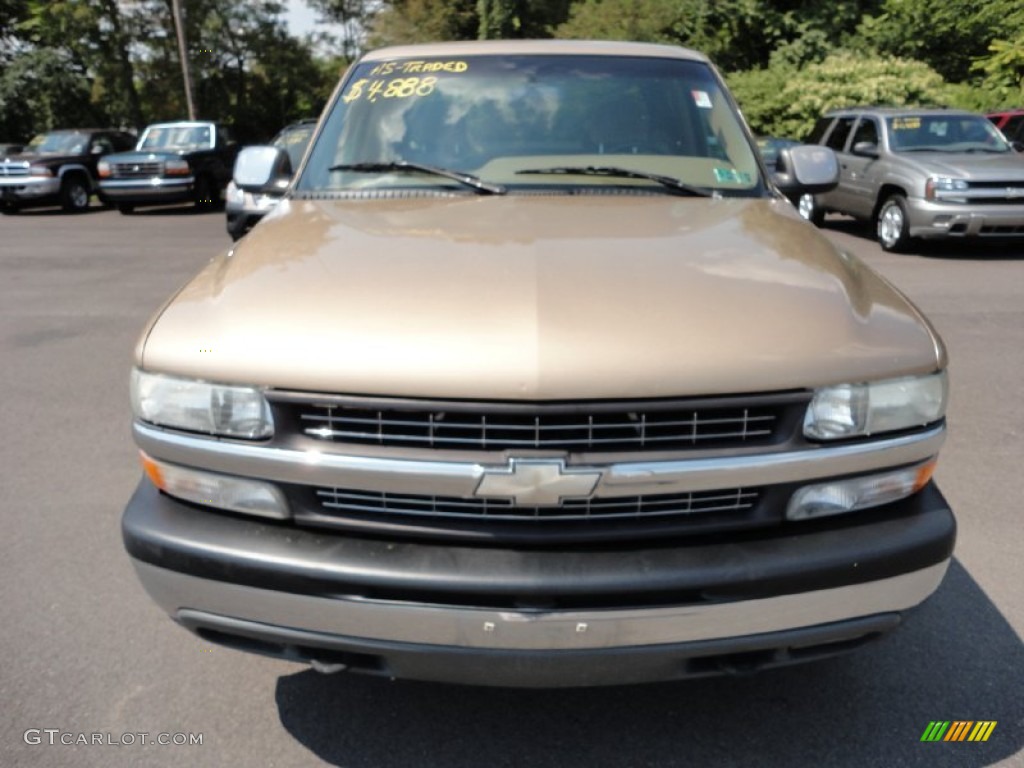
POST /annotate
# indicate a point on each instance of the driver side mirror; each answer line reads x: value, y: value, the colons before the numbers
x: 810, y: 169
x: 262, y: 169
x: 865, y: 149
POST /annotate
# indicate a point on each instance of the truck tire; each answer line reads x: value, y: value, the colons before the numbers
x: 74, y: 193
x: 891, y: 226
x: 809, y: 209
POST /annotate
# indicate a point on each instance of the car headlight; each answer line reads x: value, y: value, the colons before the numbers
x: 937, y: 184
x: 39, y: 170
x: 234, y: 195
x: 200, y: 406
x: 103, y: 169
x: 859, y: 410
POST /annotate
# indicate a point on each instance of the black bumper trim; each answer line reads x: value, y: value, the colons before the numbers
x: 904, y: 537
x: 541, y: 669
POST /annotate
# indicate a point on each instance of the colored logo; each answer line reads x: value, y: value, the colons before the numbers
x: 958, y: 730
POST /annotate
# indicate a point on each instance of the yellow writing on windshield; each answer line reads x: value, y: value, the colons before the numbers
x: 906, y: 123
x: 418, y: 65
x: 398, y: 88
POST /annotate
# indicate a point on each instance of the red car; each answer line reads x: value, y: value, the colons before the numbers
x: 1011, y: 123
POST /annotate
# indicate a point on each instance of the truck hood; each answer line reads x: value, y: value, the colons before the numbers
x: 146, y: 156
x: 538, y: 298
x: 974, y: 166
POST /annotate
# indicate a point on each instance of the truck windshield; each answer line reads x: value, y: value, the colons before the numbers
x: 507, y: 119
x: 176, y: 138
x: 58, y: 143
x: 944, y: 133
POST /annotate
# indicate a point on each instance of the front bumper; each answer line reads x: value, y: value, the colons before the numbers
x: 941, y: 219
x: 29, y: 188
x: 142, y: 191
x: 539, y: 617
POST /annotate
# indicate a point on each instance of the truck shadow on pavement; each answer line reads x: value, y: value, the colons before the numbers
x: 956, y: 659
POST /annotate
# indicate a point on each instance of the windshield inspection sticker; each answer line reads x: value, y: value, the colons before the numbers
x: 731, y: 176
x: 701, y: 99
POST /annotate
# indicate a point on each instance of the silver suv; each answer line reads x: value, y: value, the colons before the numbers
x: 928, y: 173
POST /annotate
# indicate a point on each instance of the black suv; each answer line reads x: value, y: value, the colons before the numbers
x: 185, y: 161
x: 59, y: 167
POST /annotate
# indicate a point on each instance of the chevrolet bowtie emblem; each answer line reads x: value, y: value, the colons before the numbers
x: 537, y: 482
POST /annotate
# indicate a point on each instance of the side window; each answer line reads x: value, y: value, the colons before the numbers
x: 867, y: 130
x: 101, y: 145
x: 841, y: 131
x: 819, y: 130
x: 1014, y: 129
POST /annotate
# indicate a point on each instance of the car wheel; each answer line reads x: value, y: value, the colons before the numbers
x: 810, y: 210
x: 74, y: 194
x: 126, y: 208
x: 891, y: 225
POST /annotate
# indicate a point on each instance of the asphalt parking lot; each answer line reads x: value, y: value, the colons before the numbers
x: 85, y: 651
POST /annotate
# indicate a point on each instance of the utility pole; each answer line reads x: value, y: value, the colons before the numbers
x: 179, y: 27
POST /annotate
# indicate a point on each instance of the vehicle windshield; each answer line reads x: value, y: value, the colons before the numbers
x: 58, y: 143
x: 294, y: 141
x: 524, y: 121
x: 176, y: 138
x: 944, y: 133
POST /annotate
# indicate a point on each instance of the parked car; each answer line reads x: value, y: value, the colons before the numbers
x: 533, y: 378
x: 928, y: 173
x: 58, y: 168
x: 184, y: 161
x: 1011, y: 123
x: 244, y: 209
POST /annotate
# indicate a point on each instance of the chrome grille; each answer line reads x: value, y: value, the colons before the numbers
x: 8, y: 169
x: 625, y: 426
x: 340, y: 500
x: 136, y: 170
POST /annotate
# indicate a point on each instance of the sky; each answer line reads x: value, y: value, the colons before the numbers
x: 300, y: 18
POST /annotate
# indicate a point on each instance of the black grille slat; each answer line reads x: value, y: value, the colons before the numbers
x: 632, y: 428
x: 136, y: 170
x: 338, y: 500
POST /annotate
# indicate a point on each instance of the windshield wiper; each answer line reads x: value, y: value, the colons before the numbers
x: 610, y: 171
x: 404, y: 166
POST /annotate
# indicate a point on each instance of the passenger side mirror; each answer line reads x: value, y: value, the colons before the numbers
x: 260, y: 168
x: 809, y: 169
x: 865, y: 149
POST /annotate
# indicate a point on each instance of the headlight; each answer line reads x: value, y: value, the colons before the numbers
x: 943, y: 184
x: 39, y: 170
x: 199, y: 406
x: 234, y: 195
x: 839, y: 496
x: 103, y: 169
x: 176, y: 167
x: 859, y: 410
x: 238, y: 494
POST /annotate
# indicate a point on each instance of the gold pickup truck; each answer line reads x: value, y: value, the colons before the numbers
x: 535, y: 378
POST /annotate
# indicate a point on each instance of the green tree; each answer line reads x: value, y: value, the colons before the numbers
x: 785, y: 101
x: 41, y: 90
